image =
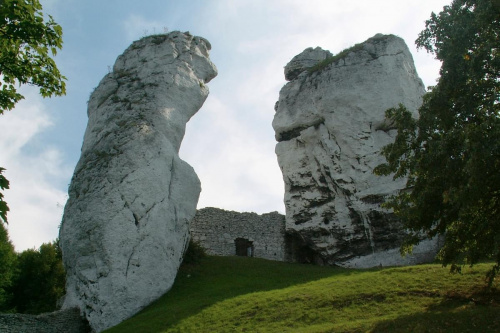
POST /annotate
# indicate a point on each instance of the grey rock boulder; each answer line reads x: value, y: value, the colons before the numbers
x: 305, y: 60
x: 330, y: 126
x: 126, y: 223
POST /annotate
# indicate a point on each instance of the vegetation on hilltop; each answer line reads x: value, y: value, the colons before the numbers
x: 342, y: 54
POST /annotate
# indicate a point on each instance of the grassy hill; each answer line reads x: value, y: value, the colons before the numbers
x: 237, y: 294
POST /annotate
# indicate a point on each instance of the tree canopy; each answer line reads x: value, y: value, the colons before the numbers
x: 4, y: 184
x: 40, y: 280
x: 27, y: 44
x: 8, y: 269
x: 451, y: 153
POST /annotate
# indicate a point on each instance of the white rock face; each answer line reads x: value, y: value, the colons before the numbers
x: 331, y: 126
x: 125, y: 225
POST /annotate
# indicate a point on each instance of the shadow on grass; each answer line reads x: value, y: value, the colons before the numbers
x: 479, y: 312
x: 216, y: 279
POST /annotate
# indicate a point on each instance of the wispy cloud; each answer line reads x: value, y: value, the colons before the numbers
x: 233, y: 164
x: 35, y: 173
x: 230, y: 142
x: 333, y: 26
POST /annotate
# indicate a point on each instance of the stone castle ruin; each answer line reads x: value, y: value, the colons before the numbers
x: 132, y: 201
x: 228, y: 233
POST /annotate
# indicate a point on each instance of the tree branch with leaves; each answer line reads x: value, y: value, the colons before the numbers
x: 451, y: 153
x: 4, y: 184
x: 28, y: 44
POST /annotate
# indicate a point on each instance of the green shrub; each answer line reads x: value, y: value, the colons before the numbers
x: 194, y: 253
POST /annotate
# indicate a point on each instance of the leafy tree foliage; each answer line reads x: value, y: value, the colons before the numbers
x: 40, y: 281
x: 451, y: 153
x: 27, y: 44
x: 194, y: 253
x: 8, y: 262
x: 4, y: 184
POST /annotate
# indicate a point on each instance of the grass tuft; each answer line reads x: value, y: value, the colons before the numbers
x: 342, y: 54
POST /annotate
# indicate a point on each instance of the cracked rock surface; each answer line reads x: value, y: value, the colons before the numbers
x: 125, y: 225
x: 330, y: 127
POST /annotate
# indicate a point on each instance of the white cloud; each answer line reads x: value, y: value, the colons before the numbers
x: 286, y: 27
x: 230, y: 142
x: 34, y: 172
x: 233, y: 164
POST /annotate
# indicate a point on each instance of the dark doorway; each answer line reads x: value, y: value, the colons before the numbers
x: 244, y: 247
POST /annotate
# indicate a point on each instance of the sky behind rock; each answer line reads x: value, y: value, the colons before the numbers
x: 230, y: 141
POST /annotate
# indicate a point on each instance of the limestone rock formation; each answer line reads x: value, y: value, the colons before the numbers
x: 330, y: 127
x: 125, y: 225
x: 307, y: 59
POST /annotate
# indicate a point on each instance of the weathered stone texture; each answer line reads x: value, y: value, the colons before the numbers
x: 330, y: 126
x: 64, y: 321
x: 305, y: 60
x: 126, y: 223
x: 217, y: 230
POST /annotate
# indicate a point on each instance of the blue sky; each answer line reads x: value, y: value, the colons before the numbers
x: 230, y: 141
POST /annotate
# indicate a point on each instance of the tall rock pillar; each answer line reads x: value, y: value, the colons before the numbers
x: 330, y: 126
x: 125, y: 225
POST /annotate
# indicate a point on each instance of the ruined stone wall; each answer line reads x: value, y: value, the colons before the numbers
x: 64, y: 321
x: 218, y: 231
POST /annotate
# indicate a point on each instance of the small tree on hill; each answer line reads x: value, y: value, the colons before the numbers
x: 451, y: 153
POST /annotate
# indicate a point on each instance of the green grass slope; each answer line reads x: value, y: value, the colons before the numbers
x: 236, y: 294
